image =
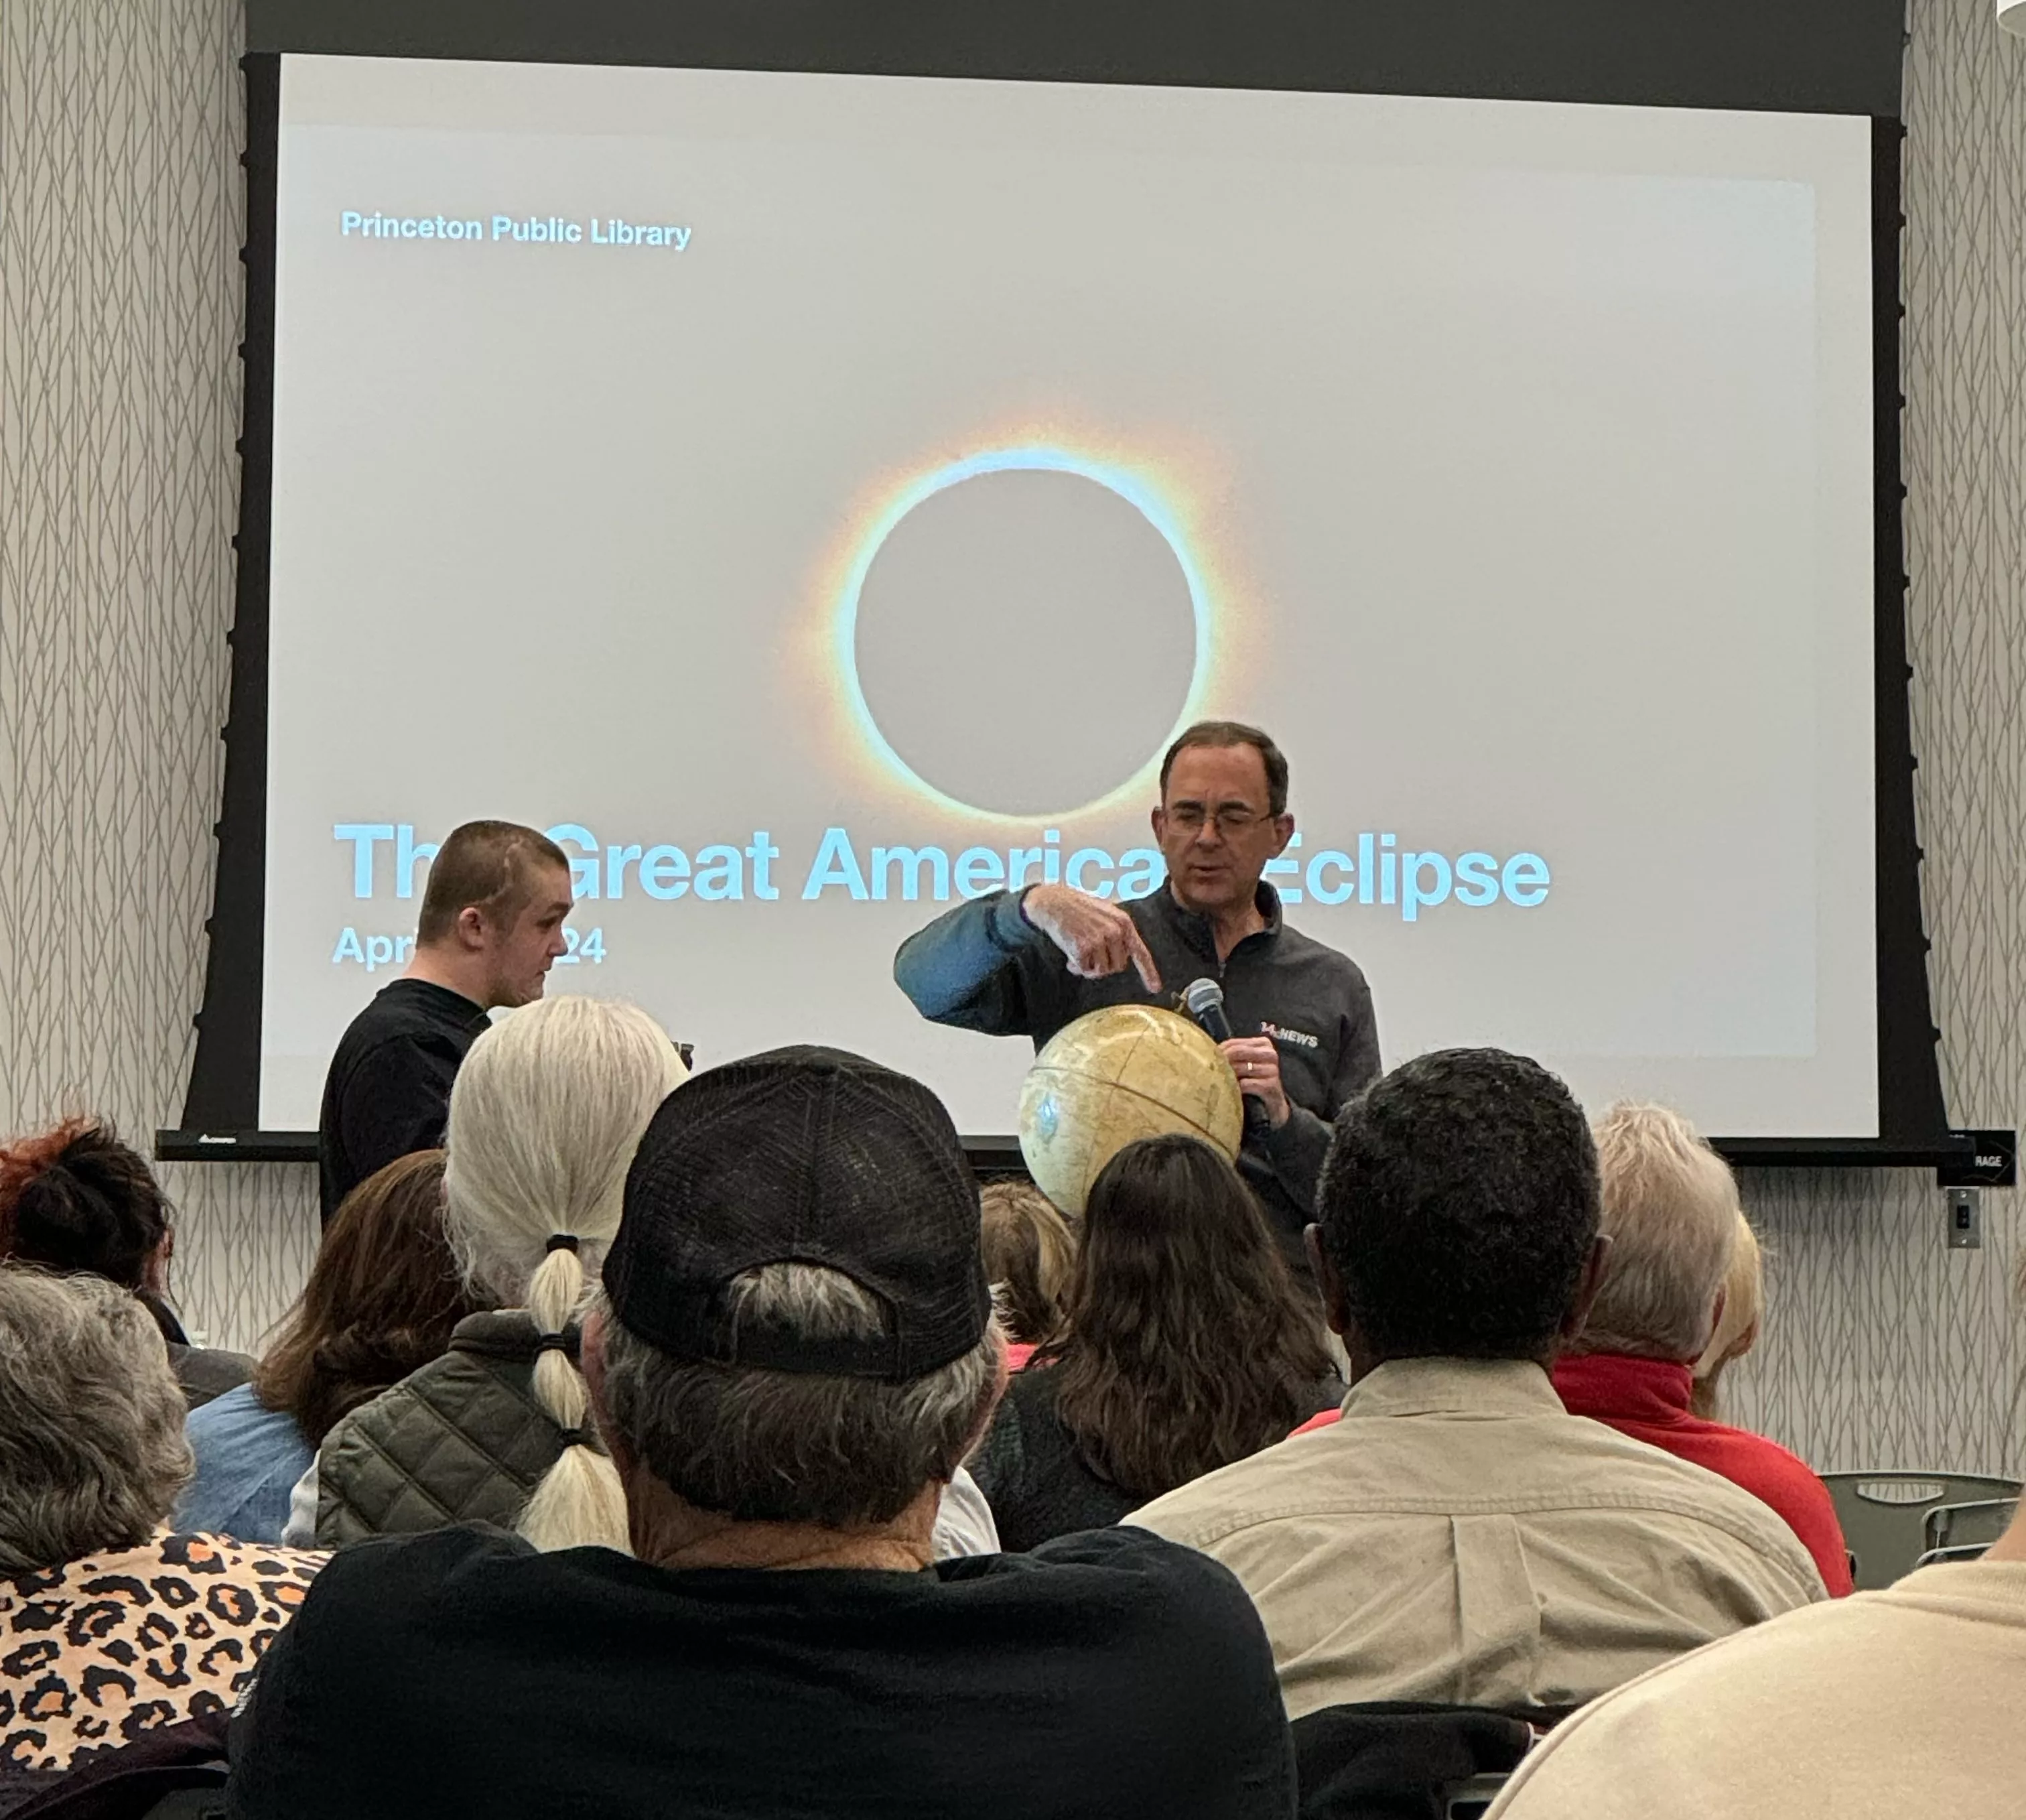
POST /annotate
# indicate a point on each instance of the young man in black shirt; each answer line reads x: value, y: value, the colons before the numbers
x: 491, y: 924
x: 793, y: 1352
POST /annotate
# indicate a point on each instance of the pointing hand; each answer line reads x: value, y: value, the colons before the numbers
x: 1098, y: 938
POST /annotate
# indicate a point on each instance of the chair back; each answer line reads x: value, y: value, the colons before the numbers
x: 1884, y: 1516
x: 1405, y: 1759
x: 175, y: 1772
x: 1471, y: 1800
x: 1978, y: 1523
x: 1973, y: 1551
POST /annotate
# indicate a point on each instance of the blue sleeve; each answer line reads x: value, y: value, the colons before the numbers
x: 982, y: 965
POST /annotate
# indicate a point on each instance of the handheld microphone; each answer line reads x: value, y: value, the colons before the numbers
x: 1205, y: 1000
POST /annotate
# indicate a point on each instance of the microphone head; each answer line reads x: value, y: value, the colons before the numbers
x: 1202, y: 995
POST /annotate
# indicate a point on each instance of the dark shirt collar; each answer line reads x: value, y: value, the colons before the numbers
x: 1194, y: 927
x: 439, y: 998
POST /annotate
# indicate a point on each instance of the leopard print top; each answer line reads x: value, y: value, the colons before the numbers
x: 96, y: 1651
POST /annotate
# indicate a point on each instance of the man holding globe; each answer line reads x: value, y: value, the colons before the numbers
x: 1304, y: 1037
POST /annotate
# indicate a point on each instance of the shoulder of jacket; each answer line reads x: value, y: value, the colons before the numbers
x: 1296, y: 948
x: 1699, y: 1495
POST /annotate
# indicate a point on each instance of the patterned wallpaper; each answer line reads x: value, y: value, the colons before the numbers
x: 120, y: 205
x: 1883, y: 1346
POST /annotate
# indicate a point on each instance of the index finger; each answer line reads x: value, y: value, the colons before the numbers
x: 1142, y: 957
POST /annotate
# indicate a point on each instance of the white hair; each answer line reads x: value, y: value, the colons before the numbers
x: 766, y: 1446
x: 547, y: 1110
x: 1671, y: 1212
x: 1737, y: 1326
x: 92, y: 1453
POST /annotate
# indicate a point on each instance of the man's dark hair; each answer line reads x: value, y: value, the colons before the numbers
x: 1458, y: 1206
x: 491, y: 865
x: 1234, y: 733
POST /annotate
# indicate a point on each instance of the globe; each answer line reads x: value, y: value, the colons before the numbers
x: 1114, y: 1076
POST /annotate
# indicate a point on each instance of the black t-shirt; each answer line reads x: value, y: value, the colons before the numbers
x: 388, y: 1092
x: 1112, y: 1673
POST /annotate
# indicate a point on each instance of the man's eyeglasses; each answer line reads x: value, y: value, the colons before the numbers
x: 1231, y: 820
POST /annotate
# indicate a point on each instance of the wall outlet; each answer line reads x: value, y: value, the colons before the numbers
x: 1966, y: 1208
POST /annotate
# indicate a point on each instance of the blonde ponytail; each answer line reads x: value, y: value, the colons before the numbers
x: 547, y: 1112
x: 579, y: 1499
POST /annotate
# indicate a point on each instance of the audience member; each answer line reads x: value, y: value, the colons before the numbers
x: 111, y: 1626
x: 1878, y: 1706
x: 1737, y: 1325
x: 1459, y: 1537
x: 1671, y: 1214
x: 77, y: 1199
x: 795, y: 1350
x: 1185, y: 1345
x: 544, y: 1114
x: 1028, y: 1248
x: 383, y: 1296
x: 491, y: 922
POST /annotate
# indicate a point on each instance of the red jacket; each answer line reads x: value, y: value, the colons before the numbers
x: 1648, y: 1399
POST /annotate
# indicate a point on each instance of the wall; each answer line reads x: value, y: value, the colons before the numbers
x: 120, y: 203
x: 1883, y: 1346
x: 120, y: 198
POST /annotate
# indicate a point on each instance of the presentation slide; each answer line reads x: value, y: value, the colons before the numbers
x: 817, y: 500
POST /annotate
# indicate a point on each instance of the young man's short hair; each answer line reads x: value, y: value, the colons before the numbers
x: 486, y: 865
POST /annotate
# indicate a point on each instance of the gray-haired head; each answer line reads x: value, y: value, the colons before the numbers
x: 763, y: 1445
x: 92, y: 1453
x: 1670, y: 1211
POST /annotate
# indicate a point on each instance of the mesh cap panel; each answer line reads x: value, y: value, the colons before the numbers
x: 809, y: 1156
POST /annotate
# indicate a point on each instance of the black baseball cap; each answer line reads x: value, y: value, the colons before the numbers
x: 807, y: 1156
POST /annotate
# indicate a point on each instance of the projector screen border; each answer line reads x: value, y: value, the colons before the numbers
x: 217, y: 1118
x: 992, y: 1156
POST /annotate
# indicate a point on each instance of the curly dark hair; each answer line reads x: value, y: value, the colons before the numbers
x: 75, y: 1199
x: 1458, y: 1207
x: 381, y: 1299
x: 1185, y: 1343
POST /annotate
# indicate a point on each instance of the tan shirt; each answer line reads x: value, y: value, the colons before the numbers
x: 1888, y: 1706
x: 1459, y: 1537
